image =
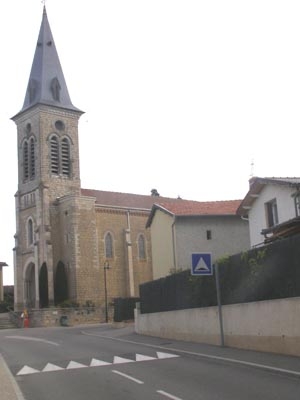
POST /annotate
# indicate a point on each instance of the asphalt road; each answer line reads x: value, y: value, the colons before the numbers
x: 102, y: 362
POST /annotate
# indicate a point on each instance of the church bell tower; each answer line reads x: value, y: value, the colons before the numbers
x: 48, y: 169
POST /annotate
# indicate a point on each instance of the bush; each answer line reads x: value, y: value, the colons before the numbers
x: 4, y: 306
x: 68, y: 304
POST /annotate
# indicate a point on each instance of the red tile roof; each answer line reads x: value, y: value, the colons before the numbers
x: 188, y: 207
x: 195, y: 208
x: 178, y: 207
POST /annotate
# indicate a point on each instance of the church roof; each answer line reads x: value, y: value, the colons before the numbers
x: 125, y: 200
x: 190, y: 208
x: 46, y: 83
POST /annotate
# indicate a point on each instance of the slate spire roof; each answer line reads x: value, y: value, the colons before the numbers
x: 46, y: 83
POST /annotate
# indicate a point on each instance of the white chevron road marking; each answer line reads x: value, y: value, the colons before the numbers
x: 98, y: 363
x: 140, y: 357
x: 26, y: 370
x: 121, y: 360
x: 52, y: 367
x: 75, y: 365
x: 166, y: 355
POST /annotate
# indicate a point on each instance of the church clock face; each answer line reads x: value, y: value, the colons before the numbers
x: 59, y: 125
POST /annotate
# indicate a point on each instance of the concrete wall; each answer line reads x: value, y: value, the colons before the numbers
x: 271, y: 326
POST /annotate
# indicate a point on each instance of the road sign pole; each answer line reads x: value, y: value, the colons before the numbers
x: 219, y: 303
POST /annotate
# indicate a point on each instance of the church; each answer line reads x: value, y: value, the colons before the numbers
x: 71, y: 244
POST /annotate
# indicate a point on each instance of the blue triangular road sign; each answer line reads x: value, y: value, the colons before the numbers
x: 201, y: 264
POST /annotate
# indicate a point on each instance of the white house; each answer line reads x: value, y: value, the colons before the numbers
x: 272, y: 206
x: 181, y: 228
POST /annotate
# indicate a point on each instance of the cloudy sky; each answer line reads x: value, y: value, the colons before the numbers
x: 181, y: 96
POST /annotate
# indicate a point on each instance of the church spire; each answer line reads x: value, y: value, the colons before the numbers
x: 47, y: 84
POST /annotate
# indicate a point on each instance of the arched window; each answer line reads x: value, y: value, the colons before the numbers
x: 108, y: 245
x: 32, y: 159
x: 25, y: 161
x: 141, y: 247
x: 54, y: 155
x: 65, y: 157
x: 30, y: 232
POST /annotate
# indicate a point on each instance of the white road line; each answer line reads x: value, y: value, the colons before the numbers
x: 170, y: 396
x: 128, y: 377
x: 33, y: 339
x: 203, y: 355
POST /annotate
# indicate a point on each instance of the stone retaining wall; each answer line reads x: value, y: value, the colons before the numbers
x: 71, y: 316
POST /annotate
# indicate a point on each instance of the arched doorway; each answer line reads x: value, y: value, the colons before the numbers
x: 29, y: 286
x: 43, y: 286
x: 60, y: 284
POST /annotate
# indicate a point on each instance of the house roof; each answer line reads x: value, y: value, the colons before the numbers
x: 125, y: 200
x: 3, y: 264
x: 256, y: 186
x: 186, y: 208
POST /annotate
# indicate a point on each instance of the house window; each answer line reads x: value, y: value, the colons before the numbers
x: 141, y: 247
x: 108, y: 245
x: 208, y: 235
x: 271, y: 213
x: 297, y: 204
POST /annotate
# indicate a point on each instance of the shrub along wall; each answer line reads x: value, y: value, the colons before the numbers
x: 265, y: 273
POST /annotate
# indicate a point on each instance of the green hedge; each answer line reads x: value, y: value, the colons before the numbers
x: 265, y: 273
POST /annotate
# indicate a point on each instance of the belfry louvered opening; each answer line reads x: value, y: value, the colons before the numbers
x: 25, y: 161
x: 54, y: 150
x: 60, y: 156
x: 29, y: 163
x: 32, y: 159
x: 65, y: 157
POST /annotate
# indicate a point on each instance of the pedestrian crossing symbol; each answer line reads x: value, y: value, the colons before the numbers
x: 201, y: 264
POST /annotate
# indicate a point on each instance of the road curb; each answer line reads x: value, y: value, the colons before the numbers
x: 9, y: 387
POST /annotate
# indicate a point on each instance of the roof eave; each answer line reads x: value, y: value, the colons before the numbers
x: 153, y: 211
x: 31, y: 107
